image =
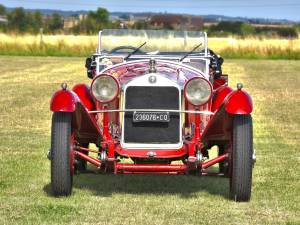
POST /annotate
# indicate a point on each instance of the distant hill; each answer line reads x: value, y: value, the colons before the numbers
x: 51, y: 11
x: 207, y: 18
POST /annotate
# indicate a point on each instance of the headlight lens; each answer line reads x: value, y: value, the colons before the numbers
x: 105, y: 88
x: 197, y: 91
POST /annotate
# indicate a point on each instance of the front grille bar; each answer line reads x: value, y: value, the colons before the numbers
x: 153, y: 110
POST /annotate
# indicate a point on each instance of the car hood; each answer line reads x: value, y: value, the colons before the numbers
x: 174, y: 71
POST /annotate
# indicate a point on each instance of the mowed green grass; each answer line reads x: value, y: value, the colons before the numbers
x: 27, y: 84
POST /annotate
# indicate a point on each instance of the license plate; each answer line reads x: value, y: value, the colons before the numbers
x: 151, y: 117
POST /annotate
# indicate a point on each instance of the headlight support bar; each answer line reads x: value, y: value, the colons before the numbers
x: 152, y: 110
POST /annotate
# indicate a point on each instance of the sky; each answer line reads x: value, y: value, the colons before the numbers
x: 271, y: 9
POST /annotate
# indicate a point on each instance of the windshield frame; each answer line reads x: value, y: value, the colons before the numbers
x: 203, y: 53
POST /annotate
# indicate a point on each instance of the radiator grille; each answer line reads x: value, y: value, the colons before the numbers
x: 147, y: 97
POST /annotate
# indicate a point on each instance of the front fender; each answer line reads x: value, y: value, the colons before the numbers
x: 238, y: 102
x: 64, y: 101
x: 83, y: 93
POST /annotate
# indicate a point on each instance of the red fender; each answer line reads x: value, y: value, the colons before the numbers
x: 83, y: 92
x: 64, y: 101
x: 238, y: 102
x: 219, y: 96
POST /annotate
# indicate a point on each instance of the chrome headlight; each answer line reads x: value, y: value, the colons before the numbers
x: 105, y: 88
x: 197, y: 91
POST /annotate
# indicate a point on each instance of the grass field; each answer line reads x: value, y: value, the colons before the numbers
x: 82, y: 45
x: 27, y: 84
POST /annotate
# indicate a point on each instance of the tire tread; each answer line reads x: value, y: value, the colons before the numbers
x: 241, y: 177
x: 61, y: 179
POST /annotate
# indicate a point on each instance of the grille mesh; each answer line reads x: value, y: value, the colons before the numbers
x: 145, y: 97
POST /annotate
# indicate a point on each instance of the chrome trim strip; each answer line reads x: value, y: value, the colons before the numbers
x: 152, y: 110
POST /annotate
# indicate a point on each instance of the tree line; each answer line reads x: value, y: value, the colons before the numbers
x: 20, y: 21
x: 226, y: 28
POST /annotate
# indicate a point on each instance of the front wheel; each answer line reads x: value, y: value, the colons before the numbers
x: 241, y: 158
x: 61, y: 154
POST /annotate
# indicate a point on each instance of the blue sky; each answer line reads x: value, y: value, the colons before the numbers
x: 277, y: 9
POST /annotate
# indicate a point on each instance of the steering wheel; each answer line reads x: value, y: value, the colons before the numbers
x: 118, y: 49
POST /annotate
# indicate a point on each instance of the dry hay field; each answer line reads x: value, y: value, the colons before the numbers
x: 81, y: 45
x: 27, y: 84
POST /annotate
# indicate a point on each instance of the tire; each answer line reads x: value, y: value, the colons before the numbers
x: 61, y: 157
x: 241, y: 158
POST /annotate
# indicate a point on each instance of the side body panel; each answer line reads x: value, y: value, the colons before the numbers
x: 219, y: 96
x: 84, y: 94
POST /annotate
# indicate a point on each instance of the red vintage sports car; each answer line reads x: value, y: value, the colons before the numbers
x: 151, y: 110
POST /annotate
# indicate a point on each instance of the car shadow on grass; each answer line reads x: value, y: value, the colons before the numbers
x: 185, y: 186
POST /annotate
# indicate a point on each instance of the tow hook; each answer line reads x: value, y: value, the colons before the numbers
x: 151, y: 154
x: 49, y: 154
